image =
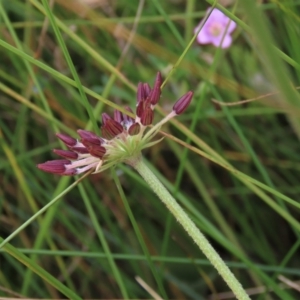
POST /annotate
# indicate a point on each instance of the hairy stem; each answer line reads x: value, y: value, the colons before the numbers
x: 190, y: 228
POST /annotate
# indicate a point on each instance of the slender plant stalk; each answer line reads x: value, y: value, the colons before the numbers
x: 190, y: 228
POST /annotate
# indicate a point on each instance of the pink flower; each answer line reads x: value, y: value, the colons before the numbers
x: 216, y: 30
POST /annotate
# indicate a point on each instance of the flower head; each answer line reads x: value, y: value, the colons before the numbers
x: 216, y: 30
x: 123, y: 137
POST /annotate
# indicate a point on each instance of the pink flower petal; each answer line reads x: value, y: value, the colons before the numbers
x: 231, y: 26
x: 216, y: 14
x: 204, y: 37
x: 225, y: 43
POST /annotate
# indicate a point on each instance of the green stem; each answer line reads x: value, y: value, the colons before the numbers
x: 190, y: 228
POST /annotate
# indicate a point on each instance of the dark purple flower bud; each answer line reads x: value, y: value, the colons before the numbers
x: 90, y: 142
x: 69, y: 141
x: 88, y: 138
x: 118, y: 117
x: 113, y: 127
x: 66, y: 153
x: 158, y: 79
x: 134, y: 129
x: 81, y: 150
x: 182, y: 103
x: 97, y: 151
x: 155, y: 95
x: 140, y: 95
x: 105, y: 133
x: 147, y: 89
x: 105, y: 117
x: 147, y: 116
x: 127, y: 118
x: 54, y: 166
x: 140, y: 109
x: 85, y: 134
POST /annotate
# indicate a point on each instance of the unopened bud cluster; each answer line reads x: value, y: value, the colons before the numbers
x: 123, y: 137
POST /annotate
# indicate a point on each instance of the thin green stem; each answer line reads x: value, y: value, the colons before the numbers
x: 191, y: 229
x: 42, y: 210
x: 102, y: 239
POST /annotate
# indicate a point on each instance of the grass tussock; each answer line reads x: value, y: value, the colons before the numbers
x: 233, y: 168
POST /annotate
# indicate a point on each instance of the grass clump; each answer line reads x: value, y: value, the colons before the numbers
x: 234, y: 169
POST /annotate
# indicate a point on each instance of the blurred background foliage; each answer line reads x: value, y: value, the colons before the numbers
x: 63, y: 63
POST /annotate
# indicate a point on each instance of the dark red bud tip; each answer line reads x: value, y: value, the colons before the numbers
x: 140, y: 95
x: 113, y: 127
x: 69, y: 141
x: 66, y: 154
x: 97, y: 151
x: 142, y: 106
x: 155, y: 93
x: 134, y: 129
x: 147, y: 116
x: 90, y: 142
x: 158, y: 80
x: 105, y: 133
x: 118, y: 117
x: 105, y: 117
x: 140, y: 109
x: 54, y: 166
x: 147, y: 89
x: 182, y: 103
x: 85, y: 134
x: 81, y: 150
x: 88, y: 138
